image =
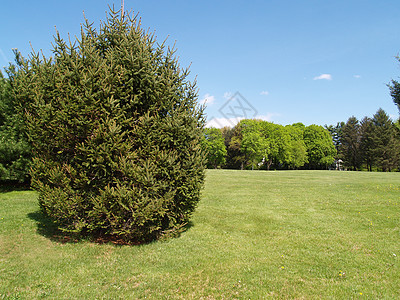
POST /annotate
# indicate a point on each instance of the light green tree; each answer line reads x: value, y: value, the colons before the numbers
x: 297, y: 148
x: 320, y: 148
x: 253, y: 143
x: 214, y: 145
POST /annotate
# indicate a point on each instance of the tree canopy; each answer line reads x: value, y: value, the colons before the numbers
x: 320, y: 148
x: 258, y: 144
x: 214, y: 146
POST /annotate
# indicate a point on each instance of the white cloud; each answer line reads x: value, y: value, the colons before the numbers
x: 231, y: 122
x: 264, y: 93
x: 207, y: 99
x: 223, y: 122
x: 228, y: 95
x: 323, y: 76
x: 267, y: 117
x: 357, y: 76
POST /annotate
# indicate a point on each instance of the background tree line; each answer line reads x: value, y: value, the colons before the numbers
x: 257, y: 144
x: 369, y: 144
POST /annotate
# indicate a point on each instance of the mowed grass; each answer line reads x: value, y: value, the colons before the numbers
x: 255, y: 235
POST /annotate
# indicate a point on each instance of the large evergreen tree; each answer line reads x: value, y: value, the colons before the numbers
x: 336, y: 133
x: 350, y: 144
x: 366, y: 145
x: 15, y: 153
x: 385, y: 141
x: 116, y: 132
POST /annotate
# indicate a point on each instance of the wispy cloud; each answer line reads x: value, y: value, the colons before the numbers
x: 6, y: 60
x: 223, y: 122
x: 207, y: 100
x: 268, y: 117
x: 264, y: 93
x: 231, y: 122
x: 228, y: 95
x: 323, y: 77
x: 357, y: 76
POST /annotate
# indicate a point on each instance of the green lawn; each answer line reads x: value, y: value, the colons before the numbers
x: 255, y: 235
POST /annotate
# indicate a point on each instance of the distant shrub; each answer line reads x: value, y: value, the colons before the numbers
x: 116, y: 132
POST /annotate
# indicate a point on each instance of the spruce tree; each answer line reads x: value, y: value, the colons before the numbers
x: 385, y: 141
x: 350, y: 144
x: 366, y: 143
x: 15, y: 154
x: 116, y: 131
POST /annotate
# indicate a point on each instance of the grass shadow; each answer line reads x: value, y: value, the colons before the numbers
x: 189, y: 225
x: 12, y: 186
x: 47, y: 228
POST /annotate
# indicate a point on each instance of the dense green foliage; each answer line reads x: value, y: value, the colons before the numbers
x: 369, y: 144
x: 372, y: 143
x: 116, y: 132
x: 320, y: 148
x: 14, y: 149
x: 257, y: 144
x: 214, y: 146
x: 350, y: 143
x: 385, y: 142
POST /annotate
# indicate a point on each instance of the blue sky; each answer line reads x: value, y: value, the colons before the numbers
x: 315, y: 62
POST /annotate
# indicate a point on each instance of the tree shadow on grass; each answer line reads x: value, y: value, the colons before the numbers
x: 12, y: 186
x: 47, y: 228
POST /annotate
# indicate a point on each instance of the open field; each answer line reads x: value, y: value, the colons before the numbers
x: 255, y: 235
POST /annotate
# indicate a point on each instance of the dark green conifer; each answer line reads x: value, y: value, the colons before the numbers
x: 385, y: 141
x: 350, y: 143
x: 116, y: 132
x: 14, y: 148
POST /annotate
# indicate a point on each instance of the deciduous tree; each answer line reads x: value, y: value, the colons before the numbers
x: 320, y: 148
x: 214, y: 146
